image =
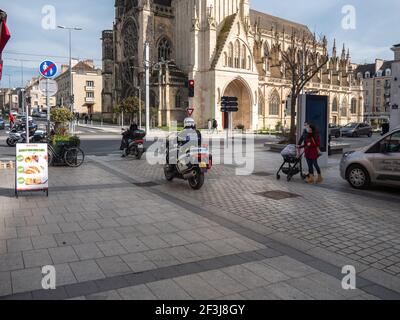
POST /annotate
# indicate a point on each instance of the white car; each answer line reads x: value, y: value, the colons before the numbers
x: 43, y: 115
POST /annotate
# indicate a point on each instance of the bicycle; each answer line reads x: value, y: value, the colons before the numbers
x: 71, y: 156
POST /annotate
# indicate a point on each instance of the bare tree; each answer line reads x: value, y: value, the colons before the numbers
x: 303, y: 60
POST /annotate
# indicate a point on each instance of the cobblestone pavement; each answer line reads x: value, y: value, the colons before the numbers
x: 111, y: 237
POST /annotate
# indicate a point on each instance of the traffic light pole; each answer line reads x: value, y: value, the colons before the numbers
x: 147, y: 69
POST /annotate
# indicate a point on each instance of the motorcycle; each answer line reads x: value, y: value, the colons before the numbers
x: 191, y: 166
x: 135, y: 145
x: 20, y: 137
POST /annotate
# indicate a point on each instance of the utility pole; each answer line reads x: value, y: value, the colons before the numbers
x: 147, y: 69
x: 71, y: 87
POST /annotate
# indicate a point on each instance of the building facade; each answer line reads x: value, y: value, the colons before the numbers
x: 228, y: 49
x: 36, y: 97
x: 395, y: 89
x: 376, y: 79
x: 87, y: 85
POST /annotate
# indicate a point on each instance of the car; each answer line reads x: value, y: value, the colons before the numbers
x: 355, y: 129
x: 2, y: 124
x: 334, y: 130
x: 43, y: 115
x: 35, y: 113
x: 376, y: 163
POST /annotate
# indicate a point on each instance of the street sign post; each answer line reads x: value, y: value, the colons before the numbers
x: 48, y: 70
x: 229, y: 105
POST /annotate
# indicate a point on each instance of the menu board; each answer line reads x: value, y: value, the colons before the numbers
x: 31, y: 167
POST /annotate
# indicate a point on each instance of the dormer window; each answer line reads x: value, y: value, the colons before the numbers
x: 367, y: 75
x: 388, y: 73
x: 379, y: 73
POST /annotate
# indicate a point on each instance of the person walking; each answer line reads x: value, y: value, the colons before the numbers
x: 11, y: 118
x: 215, y: 126
x: 312, y: 152
x: 210, y: 125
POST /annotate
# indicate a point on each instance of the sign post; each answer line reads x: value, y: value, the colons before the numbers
x: 48, y: 70
x: 31, y: 170
x: 229, y: 105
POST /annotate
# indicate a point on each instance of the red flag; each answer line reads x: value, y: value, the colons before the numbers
x: 4, y: 35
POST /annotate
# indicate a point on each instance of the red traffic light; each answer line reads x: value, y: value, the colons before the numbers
x: 191, y: 83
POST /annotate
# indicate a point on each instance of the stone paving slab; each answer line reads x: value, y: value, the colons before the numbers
x: 99, y: 236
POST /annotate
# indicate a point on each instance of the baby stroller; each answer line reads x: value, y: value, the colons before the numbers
x: 292, y: 163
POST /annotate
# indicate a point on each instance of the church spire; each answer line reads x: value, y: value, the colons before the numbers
x: 334, y: 53
x: 344, y: 52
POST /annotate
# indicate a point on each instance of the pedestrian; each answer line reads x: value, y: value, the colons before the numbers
x: 304, y: 134
x: 209, y: 125
x: 215, y: 126
x: 86, y: 119
x: 312, y: 152
x: 90, y: 118
x: 11, y: 118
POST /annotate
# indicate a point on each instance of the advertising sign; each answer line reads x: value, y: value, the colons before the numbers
x: 31, y: 168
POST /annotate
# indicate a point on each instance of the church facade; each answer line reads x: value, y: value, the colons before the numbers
x: 228, y: 49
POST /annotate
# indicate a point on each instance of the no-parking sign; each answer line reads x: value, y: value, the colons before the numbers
x: 48, y: 69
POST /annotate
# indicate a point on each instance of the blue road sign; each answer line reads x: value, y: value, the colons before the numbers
x: 48, y: 69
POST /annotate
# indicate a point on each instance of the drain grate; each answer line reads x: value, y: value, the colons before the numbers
x: 146, y: 184
x: 262, y: 174
x: 278, y: 195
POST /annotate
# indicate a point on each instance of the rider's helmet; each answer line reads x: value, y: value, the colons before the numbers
x: 189, y: 123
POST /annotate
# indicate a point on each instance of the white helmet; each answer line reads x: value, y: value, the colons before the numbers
x: 189, y: 123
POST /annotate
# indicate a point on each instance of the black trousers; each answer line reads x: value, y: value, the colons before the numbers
x: 313, y: 163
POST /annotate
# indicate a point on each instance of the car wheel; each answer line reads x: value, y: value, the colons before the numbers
x: 358, y: 177
x: 370, y: 135
x: 337, y: 135
x: 355, y: 135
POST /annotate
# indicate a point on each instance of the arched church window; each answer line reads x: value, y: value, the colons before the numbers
x: 130, y: 40
x: 274, y: 104
x: 343, y: 109
x: 178, y: 100
x: 237, y: 55
x: 164, y: 50
x: 230, y: 55
x: 225, y: 59
x: 353, y: 106
x: 243, y: 57
x: 334, y: 105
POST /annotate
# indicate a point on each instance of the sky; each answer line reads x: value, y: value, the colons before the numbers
x: 375, y: 30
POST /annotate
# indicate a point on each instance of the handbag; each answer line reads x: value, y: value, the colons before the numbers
x: 318, y: 149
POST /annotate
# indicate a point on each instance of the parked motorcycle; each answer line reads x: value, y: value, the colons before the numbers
x: 190, y: 166
x: 135, y: 143
x: 15, y: 137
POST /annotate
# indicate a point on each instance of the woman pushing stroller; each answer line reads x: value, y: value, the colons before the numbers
x: 312, y: 144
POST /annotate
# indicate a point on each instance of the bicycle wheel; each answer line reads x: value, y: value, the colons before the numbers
x: 74, y: 157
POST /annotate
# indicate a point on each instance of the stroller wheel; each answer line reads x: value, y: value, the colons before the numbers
x: 278, y: 177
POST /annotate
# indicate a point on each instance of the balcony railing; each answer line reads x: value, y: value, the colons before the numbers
x: 89, y: 88
x: 89, y: 100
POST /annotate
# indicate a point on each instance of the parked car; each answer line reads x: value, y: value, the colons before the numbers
x: 377, y: 163
x: 2, y: 124
x: 356, y: 129
x: 35, y: 113
x: 334, y: 130
x: 43, y: 115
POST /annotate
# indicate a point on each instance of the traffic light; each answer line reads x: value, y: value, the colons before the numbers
x: 191, y: 88
x: 229, y: 104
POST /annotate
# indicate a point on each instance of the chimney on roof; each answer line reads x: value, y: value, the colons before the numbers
x: 89, y: 62
x: 396, y: 50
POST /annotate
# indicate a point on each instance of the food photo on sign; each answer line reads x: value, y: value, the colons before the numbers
x: 32, y: 167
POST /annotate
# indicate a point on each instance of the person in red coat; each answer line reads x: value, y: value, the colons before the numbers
x: 312, y: 144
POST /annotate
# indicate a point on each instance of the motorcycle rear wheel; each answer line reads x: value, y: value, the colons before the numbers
x: 197, y: 181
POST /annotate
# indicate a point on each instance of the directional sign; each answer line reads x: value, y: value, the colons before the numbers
x: 48, y: 69
x: 229, y: 104
x: 48, y: 87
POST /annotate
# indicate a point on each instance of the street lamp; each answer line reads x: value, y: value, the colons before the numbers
x: 71, y: 88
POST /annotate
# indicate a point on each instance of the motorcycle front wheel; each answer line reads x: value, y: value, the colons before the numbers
x: 11, y: 142
x: 197, y: 181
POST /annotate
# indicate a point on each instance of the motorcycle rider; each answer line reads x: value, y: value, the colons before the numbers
x: 126, y: 136
x: 187, y: 138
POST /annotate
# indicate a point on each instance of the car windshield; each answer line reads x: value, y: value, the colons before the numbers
x: 351, y: 125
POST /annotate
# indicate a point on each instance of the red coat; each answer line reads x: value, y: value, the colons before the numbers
x: 311, y: 146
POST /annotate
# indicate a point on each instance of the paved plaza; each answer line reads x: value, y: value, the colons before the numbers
x: 115, y: 229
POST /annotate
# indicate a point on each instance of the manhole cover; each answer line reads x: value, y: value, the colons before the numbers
x: 146, y: 184
x: 277, y: 195
x: 262, y: 174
